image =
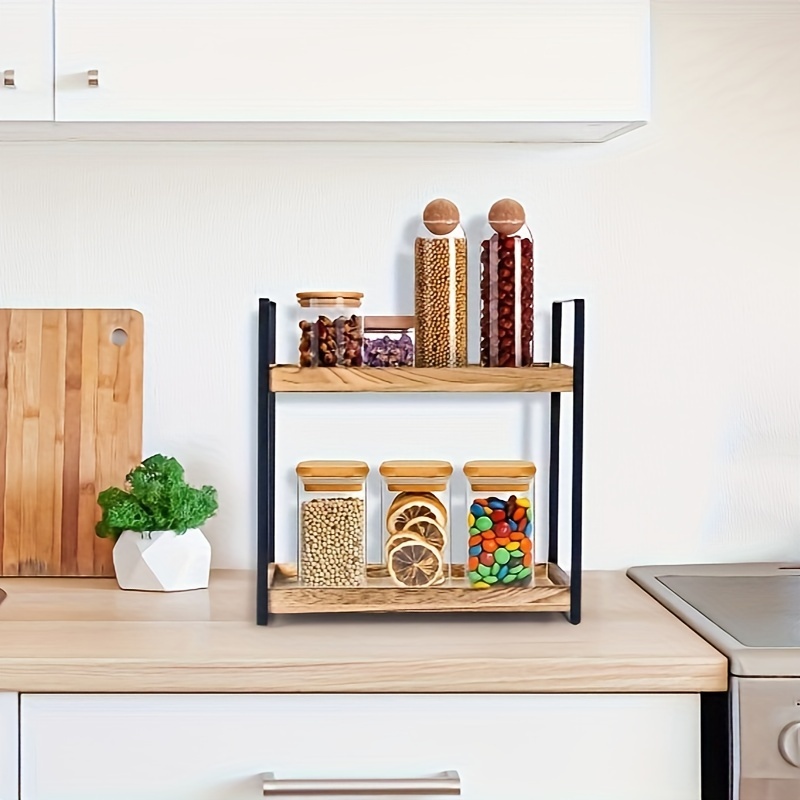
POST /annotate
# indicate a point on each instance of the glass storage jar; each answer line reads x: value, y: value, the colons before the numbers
x: 440, y: 278
x: 416, y: 516
x: 507, y: 289
x: 388, y: 341
x: 331, y: 333
x: 331, y: 502
x: 500, y: 517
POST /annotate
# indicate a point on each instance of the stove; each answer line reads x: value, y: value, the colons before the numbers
x: 750, y: 613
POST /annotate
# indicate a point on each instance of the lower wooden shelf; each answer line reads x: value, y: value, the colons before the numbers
x: 550, y: 592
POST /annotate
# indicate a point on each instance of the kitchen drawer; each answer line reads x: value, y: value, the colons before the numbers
x: 215, y: 747
x: 9, y: 739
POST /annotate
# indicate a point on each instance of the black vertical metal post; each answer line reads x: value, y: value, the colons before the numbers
x: 555, y: 438
x: 576, y: 565
x: 266, y: 457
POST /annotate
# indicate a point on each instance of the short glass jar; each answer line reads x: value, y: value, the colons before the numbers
x: 331, y: 333
x: 507, y: 289
x: 388, y: 341
x: 416, y: 517
x: 331, y: 503
x: 500, y: 521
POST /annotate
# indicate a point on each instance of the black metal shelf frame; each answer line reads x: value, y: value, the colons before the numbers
x: 266, y: 454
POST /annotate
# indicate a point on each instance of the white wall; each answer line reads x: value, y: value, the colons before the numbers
x: 681, y: 236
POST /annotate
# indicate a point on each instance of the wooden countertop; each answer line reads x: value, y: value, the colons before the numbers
x: 85, y: 635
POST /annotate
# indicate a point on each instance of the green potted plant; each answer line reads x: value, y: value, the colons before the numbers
x: 155, y: 522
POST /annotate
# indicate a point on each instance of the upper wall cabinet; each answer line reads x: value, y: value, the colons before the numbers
x: 26, y: 59
x: 580, y: 67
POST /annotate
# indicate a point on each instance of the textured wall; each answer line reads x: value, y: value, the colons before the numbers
x: 681, y: 236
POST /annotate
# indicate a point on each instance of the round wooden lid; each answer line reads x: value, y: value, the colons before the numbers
x: 332, y: 469
x: 499, y: 469
x: 349, y: 299
x: 506, y: 216
x: 441, y: 216
x: 416, y: 469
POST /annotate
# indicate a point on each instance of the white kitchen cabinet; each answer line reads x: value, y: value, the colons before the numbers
x: 215, y: 747
x: 579, y: 63
x: 26, y: 59
x: 9, y: 743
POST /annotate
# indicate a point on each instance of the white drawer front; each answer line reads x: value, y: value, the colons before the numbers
x: 215, y: 747
x: 9, y: 738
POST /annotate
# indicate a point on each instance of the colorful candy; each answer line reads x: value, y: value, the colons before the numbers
x: 500, y: 543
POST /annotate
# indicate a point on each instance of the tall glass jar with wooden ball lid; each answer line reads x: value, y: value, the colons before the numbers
x: 331, y: 505
x: 500, y: 521
x: 440, y: 275
x: 331, y: 332
x: 507, y: 288
x: 416, y: 516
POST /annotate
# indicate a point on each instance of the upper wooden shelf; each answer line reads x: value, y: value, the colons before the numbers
x: 539, y: 378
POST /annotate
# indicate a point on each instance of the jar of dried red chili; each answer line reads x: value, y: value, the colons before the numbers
x: 507, y: 288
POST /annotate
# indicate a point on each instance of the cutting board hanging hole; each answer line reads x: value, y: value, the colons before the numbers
x: 119, y: 337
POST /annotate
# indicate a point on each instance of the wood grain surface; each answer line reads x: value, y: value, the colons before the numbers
x: 541, y: 378
x: 70, y: 425
x: 86, y: 635
x: 381, y: 594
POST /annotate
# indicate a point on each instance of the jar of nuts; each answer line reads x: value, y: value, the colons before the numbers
x: 331, y: 546
x: 330, y: 330
x: 388, y: 341
x: 416, y: 514
x: 440, y: 277
x: 507, y: 289
x: 500, y: 523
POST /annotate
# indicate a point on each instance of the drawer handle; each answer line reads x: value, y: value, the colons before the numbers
x: 443, y: 784
x: 94, y: 78
x: 8, y: 79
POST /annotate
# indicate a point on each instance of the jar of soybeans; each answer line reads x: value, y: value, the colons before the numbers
x: 440, y: 277
x: 416, y: 517
x: 331, y: 504
x: 507, y: 289
x: 330, y: 329
x: 500, y: 520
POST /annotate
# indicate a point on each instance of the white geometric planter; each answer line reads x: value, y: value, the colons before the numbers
x: 162, y: 561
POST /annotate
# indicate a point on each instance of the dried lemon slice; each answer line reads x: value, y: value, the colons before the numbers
x: 414, y: 564
x: 429, y: 529
x: 399, y: 516
x: 398, y: 538
x: 404, y: 497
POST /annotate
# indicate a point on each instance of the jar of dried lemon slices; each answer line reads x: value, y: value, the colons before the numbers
x: 416, y: 514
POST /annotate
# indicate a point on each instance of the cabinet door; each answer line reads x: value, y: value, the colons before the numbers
x: 9, y: 743
x: 352, y: 60
x: 26, y: 50
x: 515, y: 747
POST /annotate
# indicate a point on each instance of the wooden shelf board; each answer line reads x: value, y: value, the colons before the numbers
x: 550, y: 592
x: 538, y: 378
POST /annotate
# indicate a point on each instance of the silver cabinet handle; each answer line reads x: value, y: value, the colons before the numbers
x: 8, y: 79
x: 443, y: 784
x: 94, y: 78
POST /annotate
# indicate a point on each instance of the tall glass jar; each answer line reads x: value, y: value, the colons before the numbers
x: 331, y: 503
x: 500, y: 519
x: 389, y: 341
x: 440, y: 277
x: 330, y: 331
x: 507, y: 289
x: 416, y: 515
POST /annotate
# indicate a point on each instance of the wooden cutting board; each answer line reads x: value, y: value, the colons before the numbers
x: 70, y: 425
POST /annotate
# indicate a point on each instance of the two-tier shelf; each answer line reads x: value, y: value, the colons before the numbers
x: 554, y: 589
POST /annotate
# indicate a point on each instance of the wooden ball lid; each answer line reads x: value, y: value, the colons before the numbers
x: 347, y: 299
x: 506, y: 216
x: 441, y: 216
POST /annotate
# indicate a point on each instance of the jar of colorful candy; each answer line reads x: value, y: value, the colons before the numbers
x: 507, y: 289
x: 388, y: 341
x: 331, y: 527
x: 416, y: 515
x: 500, y: 517
x: 330, y: 329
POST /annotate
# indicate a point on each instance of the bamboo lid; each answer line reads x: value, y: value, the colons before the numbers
x: 499, y: 469
x: 332, y: 469
x: 416, y: 469
x: 348, y: 299
x: 399, y: 323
